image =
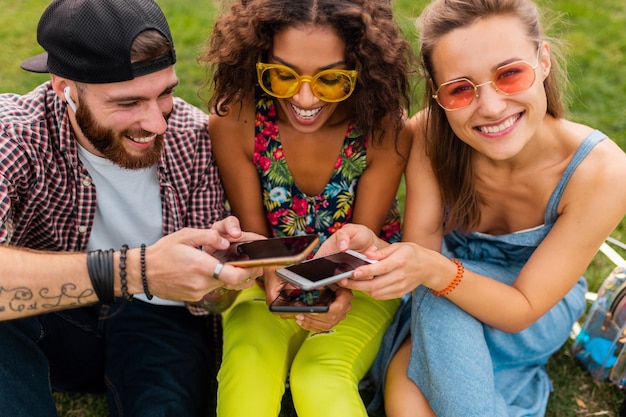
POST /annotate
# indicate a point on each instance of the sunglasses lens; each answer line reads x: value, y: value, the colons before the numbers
x: 456, y: 94
x: 280, y: 82
x: 283, y: 82
x: 332, y: 86
x: 508, y: 79
x: 514, y: 78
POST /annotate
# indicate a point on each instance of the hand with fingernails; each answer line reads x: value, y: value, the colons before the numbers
x: 177, y: 270
x: 234, y: 278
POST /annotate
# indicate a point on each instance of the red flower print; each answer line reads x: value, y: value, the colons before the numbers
x: 349, y: 151
x: 278, y: 154
x: 260, y: 143
x: 264, y: 163
x: 299, y: 206
x: 390, y: 229
x: 336, y: 226
x: 260, y: 119
x: 338, y: 162
x: 273, y: 217
x: 270, y: 130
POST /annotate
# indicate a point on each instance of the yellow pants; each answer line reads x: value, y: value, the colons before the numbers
x: 261, y: 349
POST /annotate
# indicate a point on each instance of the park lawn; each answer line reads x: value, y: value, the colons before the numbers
x: 594, y: 33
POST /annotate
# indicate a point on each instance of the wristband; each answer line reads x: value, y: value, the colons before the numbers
x: 100, y: 269
x: 123, y: 280
x: 144, y: 278
x: 460, y: 270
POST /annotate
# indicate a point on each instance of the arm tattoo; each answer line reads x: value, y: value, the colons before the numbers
x: 22, y: 299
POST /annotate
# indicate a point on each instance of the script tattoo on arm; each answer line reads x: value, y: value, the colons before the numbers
x: 22, y: 299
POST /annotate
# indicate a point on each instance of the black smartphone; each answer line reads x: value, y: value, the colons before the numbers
x: 298, y: 301
x: 322, y: 271
x: 268, y: 252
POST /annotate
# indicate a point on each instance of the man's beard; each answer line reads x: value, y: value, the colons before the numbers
x: 111, y: 145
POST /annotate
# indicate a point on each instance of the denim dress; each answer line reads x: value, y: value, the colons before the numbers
x: 465, y: 367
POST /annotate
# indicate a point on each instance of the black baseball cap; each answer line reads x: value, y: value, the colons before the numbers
x: 90, y: 40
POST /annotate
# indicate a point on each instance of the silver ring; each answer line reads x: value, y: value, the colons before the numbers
x: 218, y: 270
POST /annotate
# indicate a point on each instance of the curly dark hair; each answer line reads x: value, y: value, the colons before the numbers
x: 374, y: 46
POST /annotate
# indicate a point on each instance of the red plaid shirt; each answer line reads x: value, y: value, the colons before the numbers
x: 47, y: 198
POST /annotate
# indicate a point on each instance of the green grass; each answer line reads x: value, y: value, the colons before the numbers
x: 594, y: 32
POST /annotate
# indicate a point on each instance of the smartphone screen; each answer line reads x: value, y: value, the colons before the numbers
x: 299, y: 301
x: 267, y: 252
x: 322, y: 271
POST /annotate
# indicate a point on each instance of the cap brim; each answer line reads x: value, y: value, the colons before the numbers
x: 38, y: 63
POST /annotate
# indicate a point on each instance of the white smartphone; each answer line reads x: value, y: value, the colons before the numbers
x: 318, y: 272
x: 268, y: 252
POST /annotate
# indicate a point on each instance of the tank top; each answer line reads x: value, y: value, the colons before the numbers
x: 290, y: 211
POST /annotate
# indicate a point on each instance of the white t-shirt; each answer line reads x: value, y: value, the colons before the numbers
x: 128, y: 208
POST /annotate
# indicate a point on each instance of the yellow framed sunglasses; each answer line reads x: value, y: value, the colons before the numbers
x: 331, y: 85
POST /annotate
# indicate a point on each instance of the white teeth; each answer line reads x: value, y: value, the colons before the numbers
x: 305, y: 114
x: 145, y: 139
x: 502, y: 126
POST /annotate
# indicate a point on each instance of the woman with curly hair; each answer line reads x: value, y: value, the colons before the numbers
x: 308, y: 131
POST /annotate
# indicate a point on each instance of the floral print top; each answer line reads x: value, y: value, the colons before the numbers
x: 290, y: 211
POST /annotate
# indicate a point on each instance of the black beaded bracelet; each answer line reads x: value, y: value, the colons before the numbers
x: 100, y: 269
x: 123, y: 280
x: 144, y: 278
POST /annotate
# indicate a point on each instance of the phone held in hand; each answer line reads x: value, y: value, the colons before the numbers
x: 268, y: 252
x: 318, y: 272
x: 298, y: 301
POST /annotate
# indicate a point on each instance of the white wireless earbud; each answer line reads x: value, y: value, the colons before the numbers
x: 68, y: 98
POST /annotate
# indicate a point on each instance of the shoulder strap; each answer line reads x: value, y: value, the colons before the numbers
x: 585, y: 147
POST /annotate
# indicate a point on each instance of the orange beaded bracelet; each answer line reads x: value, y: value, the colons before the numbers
x: 460, y: 270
